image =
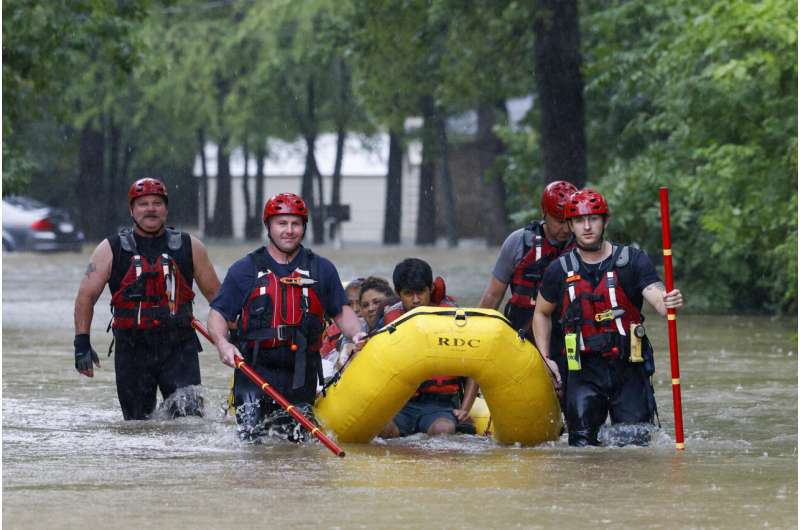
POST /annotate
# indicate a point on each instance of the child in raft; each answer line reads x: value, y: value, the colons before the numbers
x: 435, y: 408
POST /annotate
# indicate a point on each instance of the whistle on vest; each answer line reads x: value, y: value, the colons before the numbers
x: 299, y: 281
x: 636, y: 334
x: 571, y: 349
x: 611, y: 314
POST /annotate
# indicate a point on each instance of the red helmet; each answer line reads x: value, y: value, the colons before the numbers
x: 285, y: 203
x: 147, y: 186
x: 555, y: 197
x: 585, y: 202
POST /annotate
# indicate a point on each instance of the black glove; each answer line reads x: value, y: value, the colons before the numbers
x: 85, y: 355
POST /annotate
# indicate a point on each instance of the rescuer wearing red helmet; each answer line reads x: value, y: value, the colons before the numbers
x: 525, y: 255
x: 149, y: 269
x: 596, y: 291
x: 275, y: 301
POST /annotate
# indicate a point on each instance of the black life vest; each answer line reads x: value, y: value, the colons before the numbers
x: 537, y: 253
x: 153, y: 293
x: 283, y: 316
x: 600, y: 315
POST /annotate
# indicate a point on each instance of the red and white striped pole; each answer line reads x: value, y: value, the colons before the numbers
x: 672, y: 325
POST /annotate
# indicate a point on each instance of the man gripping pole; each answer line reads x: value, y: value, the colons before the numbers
x: 274, y: 394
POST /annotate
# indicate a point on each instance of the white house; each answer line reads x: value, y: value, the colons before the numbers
x: 363, y: 185
x: 364, y: 169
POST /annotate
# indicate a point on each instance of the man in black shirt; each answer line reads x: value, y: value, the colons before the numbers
x: 598, y: 290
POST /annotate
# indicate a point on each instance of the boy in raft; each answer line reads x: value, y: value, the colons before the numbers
x: 434, y: 409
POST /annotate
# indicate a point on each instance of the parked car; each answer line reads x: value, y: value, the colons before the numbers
x: 29, y: 224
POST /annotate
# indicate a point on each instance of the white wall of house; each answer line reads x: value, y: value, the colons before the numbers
x: 364, y: 168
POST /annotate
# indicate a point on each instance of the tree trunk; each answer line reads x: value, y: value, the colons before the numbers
x: 90, y: 179
x: 319, y: 208
x: 201, y: 143
x: 310, y: 175
x: 258, y: 226
x: 113, y: 216
x: 493, y: 188
x: 394, y: 192
x: 426, y: 213
x: 444, y: 180
x: 222, y: 223
x: 249, y: 218
x: 560, y: 89
x: 127, y: 157
x: 336, y: 184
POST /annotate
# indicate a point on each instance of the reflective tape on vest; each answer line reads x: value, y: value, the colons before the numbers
x: 612, y: 297
x: 571, y: 289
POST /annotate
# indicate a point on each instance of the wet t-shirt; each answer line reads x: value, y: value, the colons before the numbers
x: 240, y: 281
x: 634, y: 277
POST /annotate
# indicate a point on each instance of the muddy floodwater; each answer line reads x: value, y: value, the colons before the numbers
x: 70, y: 461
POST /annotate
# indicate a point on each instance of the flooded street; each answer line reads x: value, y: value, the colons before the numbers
x: 70, y: 461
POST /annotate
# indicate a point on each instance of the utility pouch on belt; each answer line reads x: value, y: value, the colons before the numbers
x: 636, y: 334
x: 571, y: 348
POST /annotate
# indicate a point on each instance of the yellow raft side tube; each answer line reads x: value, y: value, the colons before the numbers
x: 433, y: 341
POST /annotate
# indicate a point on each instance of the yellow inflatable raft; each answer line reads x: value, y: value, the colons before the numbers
x: 430, y: 341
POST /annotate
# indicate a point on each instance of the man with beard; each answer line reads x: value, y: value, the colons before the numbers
x: 275, y: 301
x: 598, y: 290
x: 149, y: 270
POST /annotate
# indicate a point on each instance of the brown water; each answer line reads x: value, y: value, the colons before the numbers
x: 70, y: 461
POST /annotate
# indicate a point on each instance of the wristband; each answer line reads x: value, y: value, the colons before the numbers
x: 82, y: 343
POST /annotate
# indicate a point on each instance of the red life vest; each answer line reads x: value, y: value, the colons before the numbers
x: 441, y: 384
x: 330, y: 339
x: 538, y: 253
x: 152, y: 295
x: 601, y: 316
x: 279, y: 308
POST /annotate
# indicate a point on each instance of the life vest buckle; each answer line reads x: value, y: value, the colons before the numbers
x: 610, y: 314
x: 282, y: 332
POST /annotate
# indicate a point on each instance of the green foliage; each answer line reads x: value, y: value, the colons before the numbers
x: 698, y: 96
x: 715, y: 120
x: 55, y: 54
x: 521, y: 167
